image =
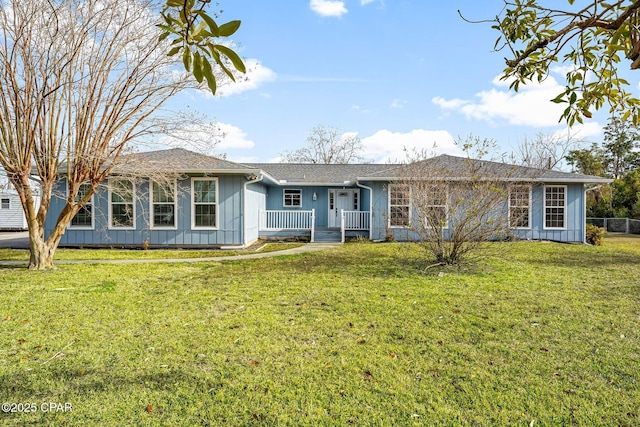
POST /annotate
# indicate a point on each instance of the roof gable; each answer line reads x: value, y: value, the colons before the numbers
x: 178, y: 160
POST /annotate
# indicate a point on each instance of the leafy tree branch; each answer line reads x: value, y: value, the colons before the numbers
x: 592, y: 40
x: 194, y: 33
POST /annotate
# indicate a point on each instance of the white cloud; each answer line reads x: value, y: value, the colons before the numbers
x: 397, y: 103
x: 386, y: 146
x: 582, y: 131
x: 208, y: 138
x: 328, y: 7
x: 233, y: 138
x: 450, y: 104
x: 365, y: 2
x: 531, y: 106
x: 256, y: 75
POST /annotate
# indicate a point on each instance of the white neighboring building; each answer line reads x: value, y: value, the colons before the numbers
x: 11, y: 213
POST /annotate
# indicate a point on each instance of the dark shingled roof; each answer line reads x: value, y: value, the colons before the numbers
x: 313, y: 173
x: 178, y: 160
x: 460, y: 168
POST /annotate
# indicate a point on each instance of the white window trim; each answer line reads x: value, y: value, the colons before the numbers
x: 446, y: 208
x: 389, y: 206
x: 193, y: 204
x: 355, y: 192
x: 70, y: 226
x: 528, y: 227
x: 565, y: 207
x: 110, y: 219
x: 284, y: 205
x: 5, y: 198
x: 175, y: 207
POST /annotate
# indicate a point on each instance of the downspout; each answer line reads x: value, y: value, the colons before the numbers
x: 370, y: 208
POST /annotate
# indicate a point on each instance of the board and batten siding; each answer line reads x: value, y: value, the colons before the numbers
x: 275, y: 197
x: 255, y: 199
x: 574, y: 231
x: 228, y: 232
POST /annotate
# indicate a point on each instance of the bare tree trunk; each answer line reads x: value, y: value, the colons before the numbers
x: 41, y: 254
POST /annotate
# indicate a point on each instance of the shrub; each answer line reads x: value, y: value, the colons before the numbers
x: 595, y: 235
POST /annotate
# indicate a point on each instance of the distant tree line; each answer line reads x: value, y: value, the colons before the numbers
x: 617, y: 157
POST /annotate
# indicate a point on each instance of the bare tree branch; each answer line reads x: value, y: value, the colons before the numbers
x: 327, y: 145
x: 79, y: 80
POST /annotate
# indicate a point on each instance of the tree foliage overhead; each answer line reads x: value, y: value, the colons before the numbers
x: 593, y: 38
x: 194, y: 34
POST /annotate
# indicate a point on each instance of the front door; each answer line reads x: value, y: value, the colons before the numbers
x: 341, y: 200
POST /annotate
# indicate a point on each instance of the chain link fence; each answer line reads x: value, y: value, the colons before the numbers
x: 617, y: 225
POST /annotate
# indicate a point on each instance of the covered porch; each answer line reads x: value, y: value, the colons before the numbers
x: 302, y: 224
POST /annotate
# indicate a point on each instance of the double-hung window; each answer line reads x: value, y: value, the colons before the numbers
x: 436, y: 205
x: 204, y: 196
x: 399, y: 205
x: 520, y: 206
x: 122, y: 204
x: 84, y: 216
x: 5, y: 203
x: 163, y: 205
x: 292, y: 198
x: 555, y: 207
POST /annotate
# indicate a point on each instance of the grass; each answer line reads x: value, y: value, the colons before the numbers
x: 116, y: 254
x: 350, y: 336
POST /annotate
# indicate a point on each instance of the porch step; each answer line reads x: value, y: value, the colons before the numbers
x: 327, y: 236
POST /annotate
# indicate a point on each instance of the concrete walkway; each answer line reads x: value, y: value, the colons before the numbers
x: 309, y: 247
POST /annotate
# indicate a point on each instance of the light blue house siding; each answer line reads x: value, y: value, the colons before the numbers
x: 255, y: 199
x: 575, y: 217
x: 229, y: 230
x: 574, y: 231
x: 275, y: 200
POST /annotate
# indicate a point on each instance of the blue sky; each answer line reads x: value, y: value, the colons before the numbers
x: 399, y: 73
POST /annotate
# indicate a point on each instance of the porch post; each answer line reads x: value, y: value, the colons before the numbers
x: 313, y: 224
x: 342, y: 225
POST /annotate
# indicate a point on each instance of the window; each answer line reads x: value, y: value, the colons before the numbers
x: 520, y: 206
x: 356, y: 203
x: 433, y: 205
x: 5, y: 204
x: 204, y: 196
x: 163, y: 205
x: 84, y: 216
x: 555, y: 206
x: 292, y: 198
x: 399, y: 199
x: 122, y: 205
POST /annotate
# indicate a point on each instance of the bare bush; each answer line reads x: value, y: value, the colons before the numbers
x: 454, y: 206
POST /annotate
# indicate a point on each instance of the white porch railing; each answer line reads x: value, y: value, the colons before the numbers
x: 354, y: 220
x: 288, y: 220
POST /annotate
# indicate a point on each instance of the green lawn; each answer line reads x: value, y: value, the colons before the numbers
x: 356, y: 335
x: 116, y: 254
